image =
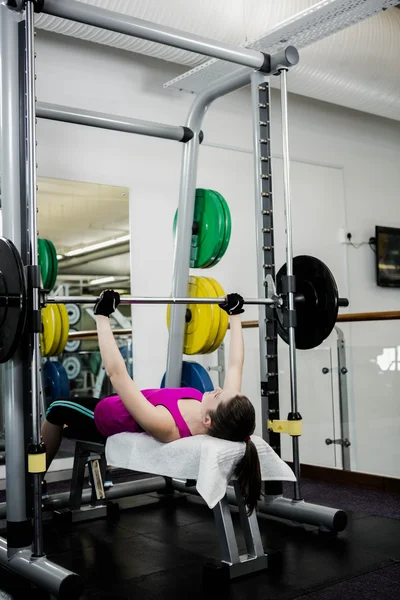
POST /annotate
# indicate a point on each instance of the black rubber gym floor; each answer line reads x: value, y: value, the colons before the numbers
x: 157, y: 549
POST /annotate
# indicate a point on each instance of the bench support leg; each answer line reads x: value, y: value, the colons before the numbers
x: 236, y: 564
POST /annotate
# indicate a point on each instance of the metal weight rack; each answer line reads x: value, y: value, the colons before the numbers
x: 274, y: 503
x: 23, y: 551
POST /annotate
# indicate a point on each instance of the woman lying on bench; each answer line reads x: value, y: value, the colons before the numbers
x: 166, y: 414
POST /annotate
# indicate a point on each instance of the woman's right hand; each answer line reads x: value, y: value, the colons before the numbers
x: 107, y: 303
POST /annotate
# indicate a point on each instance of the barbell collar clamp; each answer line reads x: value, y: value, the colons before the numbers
x: 37, y: 458
x: 294, y: 416
x: 288, y: 284
x: 36, y: 321
x: 289, y: 318
x: 33, y: 276
x: 294, y: 427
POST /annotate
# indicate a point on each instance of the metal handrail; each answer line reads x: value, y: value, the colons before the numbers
x: 392, y: 315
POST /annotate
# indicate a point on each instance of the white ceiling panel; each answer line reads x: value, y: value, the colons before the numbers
x: 357, y: 67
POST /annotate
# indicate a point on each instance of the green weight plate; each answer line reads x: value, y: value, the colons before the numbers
x: 95, y: 363
x: 208, y: 228
x: 211, y: 228
x: 44, y: 262
x: 51, y: 263
x: 54, y: 261
x: 228, y: 230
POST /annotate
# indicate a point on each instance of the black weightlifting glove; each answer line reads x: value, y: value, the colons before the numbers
x: 107, y: 303
x: 233, y: 305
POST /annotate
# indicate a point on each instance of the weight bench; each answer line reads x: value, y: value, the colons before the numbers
x: 94, y: 456
x: 202, y: 461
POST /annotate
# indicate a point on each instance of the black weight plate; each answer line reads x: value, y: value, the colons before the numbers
x: 12, y: 309
x: 317, y: 313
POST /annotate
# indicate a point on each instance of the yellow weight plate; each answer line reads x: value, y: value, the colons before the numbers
x: 49, y: 330
x: 216, y: 314
x: 57, y: 330
x: 224, y: 318
x: 64, y: 329
x: 198, y: 329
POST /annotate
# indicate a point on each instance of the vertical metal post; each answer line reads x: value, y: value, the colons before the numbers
x: 185, y: 218
x: 289, y: 273
x: 31, y: 202
x: 183, y: 242
x: 251, y: 531
x: 11, y: 166
x: 226, y: 532
x: 221, y: 365
x: 343, y: 401
x: 264, y: 221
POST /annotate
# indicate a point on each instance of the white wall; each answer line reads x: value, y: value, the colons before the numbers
x: 345, y: 175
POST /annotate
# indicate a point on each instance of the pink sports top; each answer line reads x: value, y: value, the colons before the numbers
x: 112, y: 417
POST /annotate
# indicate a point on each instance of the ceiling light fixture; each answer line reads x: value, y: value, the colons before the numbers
x: 102, y: 280
x: 99, y: 246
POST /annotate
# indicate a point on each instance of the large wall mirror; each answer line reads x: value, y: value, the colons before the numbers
x: 88, y: 224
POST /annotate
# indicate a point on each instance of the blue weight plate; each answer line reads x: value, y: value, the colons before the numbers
x: 51, y: 382
x: 64, y: 381
x: 194, y: 376
x: 197, y: 376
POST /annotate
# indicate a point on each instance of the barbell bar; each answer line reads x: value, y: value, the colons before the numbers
x: 153, y: 300
x: 343, y: 302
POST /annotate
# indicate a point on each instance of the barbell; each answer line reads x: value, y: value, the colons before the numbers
x: 150, y: 300
x: 317, y: 300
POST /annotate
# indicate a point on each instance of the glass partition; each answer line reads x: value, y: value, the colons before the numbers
x: 348, y: 394
x: 373, y: 364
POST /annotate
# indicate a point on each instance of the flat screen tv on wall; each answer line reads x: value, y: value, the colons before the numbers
x: 387, y: 256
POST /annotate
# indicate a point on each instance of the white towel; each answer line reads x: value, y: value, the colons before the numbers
x: 208, y: 460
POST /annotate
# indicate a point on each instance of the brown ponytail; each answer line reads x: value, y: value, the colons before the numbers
x: 248, y: 474
x: 235, y: 421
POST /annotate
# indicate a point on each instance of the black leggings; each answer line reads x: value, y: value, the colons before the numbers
x: 78, y: 416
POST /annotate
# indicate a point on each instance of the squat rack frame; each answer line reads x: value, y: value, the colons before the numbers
x: 18, y: 113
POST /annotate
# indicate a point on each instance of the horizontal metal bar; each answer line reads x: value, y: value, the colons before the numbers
x: 151, y: 300
x: 42, y: 572
x: 127, y: 25
x: 393, y: 315
x: 80, y: 116
x: 119, y: 490
x: 91, y: 334
x: 332, y: 519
